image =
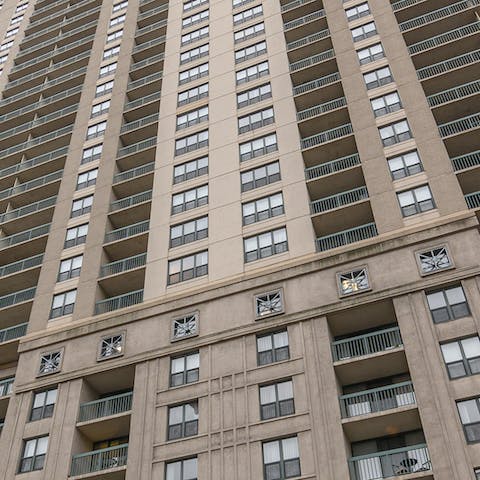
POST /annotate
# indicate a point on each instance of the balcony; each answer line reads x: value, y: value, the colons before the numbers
x: 137, y: 154
x: 334, y: 166
x: 118, y: 302
x: 123, y: 265
x: 141, y: 102
x: 133, y: 173
x: 15, y: 298
x: 98, y: 460
x: 455, y: 63
x: 453, y: 94
x: 305, y: 20
x: 464, y: 162
x: 346, y: 237
x: 338, y: 200
x: 459, y: 126
x: 321, y: 109
x: 115, y: 276
x: 126, y: 232
x: 327, y: 136
x: 131, y: 201
x: 26, y: 236
x: 13, y: 333
x: 473, y: 200
x: 9, y: 344
x: 105, y: 407
x: 6, y: 386
x: 24, y: 218
x: 22, y: 265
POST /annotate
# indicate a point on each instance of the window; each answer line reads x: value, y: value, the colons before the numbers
x: 87, y: 179
x: 15, y: 20
x: 194, y: 54
x: 358, y: 11
x: 469, y: 411
x: 189, y: 170
x: 268, y: 304
x: 189, y: 232
x: 50, y: 363
x: 263, y: 208
x: 6, y: 46
x: 272, y: 347
x: 405, y: 165
x: 184, y: 369
x: 111, y: 346
x: 434, y: 260
x: 182, y: 470
x: 261, y: 176
x: 119, y: 6
x: 3, y: 59
x: 191, y: 143
x: 100, y: 109
x: 96, y: 130
x: 415, y: 201
x: 256, y: 120
x: 111, y: 52
x: 22, y: 7
x: 111, y: 37
x: 33, y: 456
x: 43, y: 404
x: 117, y: 21
x: 353, y: 282
x: 364, y: 31
x: 192, y: 95
x: 254, y: 95
x: 448, y: 304
x: 462, y: 357
x: 276, y: 400
x: 70, y: 268
x: 259, y: 146
x: 183, y: 421
x: 76, y: 236
x: 370, y: 54
x: 252, y: 73
x: 238, y: 3
x: 104, y: 89
x: 377, y: 78
x: 81, y: 206
x: 11, y: 32
x: 281, y: 459
x: 185, y: 327
x: 183, y: 201
x: 250, y: 52
x: 194, y: 36
x: 477, y: 473
x: 194, y: 19
x: 192, y: 118
x: 193, y: 4
x: 265, y: 244
x: 395, y: 133
x: 108, y: 70
x: 193, y: 74
x: 386, y: 104
x: 186, y: 268
x: 247, y: 15
x: 249, y: 32
x: 63, y: 303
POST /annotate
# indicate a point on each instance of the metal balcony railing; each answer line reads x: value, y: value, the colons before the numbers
x: 318, y: 83
x: 153, y: 11
x: 133, y: 173
x: 136, y: 147
x: 146, y: 62
x: 296, y: 3
x: 473, y: 199
x: 321, y: 109
x: 97, y: 460
x: 125, y: 232
x: 390, y: 463
x: 338, y: 200
x: 123, y: 265
x: 17, y: 297
x: 48, y: 6
x: 131, y: 201
x: 27, y: 209
x: 21, y: 265
x: 36, y: 182
x: 142, y: 101
x: 377, y: 399
x: 313, y: 60
x: 346, y: 237
x: 455, y: 93
x: 105, y: 407
x: 308, y: 39
x: 468, y: 160
x: 120, y: 301
x: 60, y: 13
x: 139, y: 123
x: 327, y: 136
x: 6, y: 386
x: 404, y: 4
x: 303, y: 20
x: 470, y: 58
x: 366, y: 344
x: 149, y: 28
x: 334, y: 166
x: 24, y: 236
x: 150, y: 43
x: 144, y: 81
x: 12, y: 333
x: 459, y: 126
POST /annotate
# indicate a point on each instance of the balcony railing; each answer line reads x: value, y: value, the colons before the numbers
x: 136, y: 147
x: 318, y: 83
x: 133, y: 172
x: 139, y: 123
x: 151, y: 43
x: 123, y: 265
x: 17, y: 297
x: 405, y: 3
x: 21, y: 265
x: 313, y: 60
x: 470, y: 58
x: 126, y: 232
x: 390, y: 463
x: 308, y: 39
x: 24, y: 236
x: 12, y: 333
x: 322, y: 108
x: 468, y: 160
x: 37, y: 182
x: 142, y: 101
x: 473, y: 200
x: 455, y: 93
x: 131, y: 201
x: 99, y: 460
x: 346, y: 237
x: 120, y: 301
x: 149, y: 28
x: 377, y: 399
x: 147, y: 61
x: 105, y: 407
x: 459, y: 126
x: 60, y: 13
x: 153, y: 11
x: 334, y: 166
x: 27, y: 209
x: 296, y: 3
x: 327, y: 136
x: 303, y: 20
x: 144, y: 81
x: 6, y: 386
x: 366, y: 344
x: 338, y: 200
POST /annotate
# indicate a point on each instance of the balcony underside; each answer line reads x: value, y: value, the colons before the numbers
x: 115, y: 426
x: 335, y: 182
x: 124, y: 282
x: 117, y: 473
x: 8, y: 352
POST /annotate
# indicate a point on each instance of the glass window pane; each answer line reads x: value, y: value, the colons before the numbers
x: 451, y: 352
x: 436, y: 300
x: 271, y: 452
x: 280, y: 339
x: 190, y: 469
x: 174, y: 471
x: 177, y: 365
x: 468, y: 411
x: 290, y: 448
x: 267, y: 394
x: 455, y: 295
x: 264, y: 343
x: 471, y: 347
x: 193, y: 361
x: 285, y: 390
x: 42, y: 444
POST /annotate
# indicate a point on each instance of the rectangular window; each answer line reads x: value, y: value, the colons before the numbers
x: 111, y: 52
x: 3, y: 59
x: 252, y: 73
x: 92, y: 153
x: 117, y: 21
x: 405, y: 165
x: 265, y: 244
x: 120, y: 6
x: 87, y: 179
x: 12, y: 32
x: 193, y: 4
x: 448, y: 304
x: 251, y: 51
x: 191, y: 143
x: 477, y: 473
x: 96, y: 130
x: 254, y: 95
x: 364, y: 31
x: 111, y: 37
x: 70, y: 268
x: 193, y: 117
x: 192, y: 95
x: 194, y: 19
x: 358, y: 11
x: 281, y: 459
x: 386, y: 104
x: 395, y: 133
x: 107, y: 70
x: 189, y: 232
x: 462, y: 357
x: 192, y: 74
x: 184, y: 369
x: 81, y: 206
x: 370, y: 54
x: 261, y: 176
x: 6, y: 46
x: 104, y: 89
x: 469, y: 411
x: 239, y: 3
x: 186, y: 268
x: 43, y: 404
x: 63, y: 304
x: 194, y: 54
x: 263, y: 208
x: 276, y: 400
x: 15, y: 20
x: 189, y: 170
x: 377, y: 78
x: 100, y: 109
x: 182, y: 470
x: 256, y: 120
x: 415, y: 201
x: 183, y: 421
x: 183, y: 201
x: 259, y: 146
x: 194, y: 36
x: 33, y: 455
x: 76, y: 236
x: 247, y: 15
x: 21, y: 8
x: 249, y: 32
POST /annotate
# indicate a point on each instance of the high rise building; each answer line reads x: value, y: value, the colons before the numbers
x: 239, y: 240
